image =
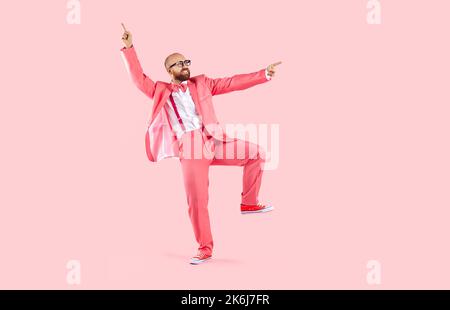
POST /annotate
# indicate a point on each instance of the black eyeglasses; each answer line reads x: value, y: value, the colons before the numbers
x: 180, y: 63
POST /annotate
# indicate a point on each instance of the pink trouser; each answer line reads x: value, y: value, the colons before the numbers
x: 197, y: 152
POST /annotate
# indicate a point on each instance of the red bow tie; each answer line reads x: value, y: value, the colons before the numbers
x: 177, y: 87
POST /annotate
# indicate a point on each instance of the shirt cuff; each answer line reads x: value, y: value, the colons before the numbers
x: 126, y: 48
x: 268, y: 77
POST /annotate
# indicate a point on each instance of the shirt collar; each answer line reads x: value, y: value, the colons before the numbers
x: 184, y: 82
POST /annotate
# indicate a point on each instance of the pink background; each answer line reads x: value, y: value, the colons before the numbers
x: 364, y: 167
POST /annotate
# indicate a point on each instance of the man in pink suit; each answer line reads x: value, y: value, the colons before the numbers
x: 184, y: 125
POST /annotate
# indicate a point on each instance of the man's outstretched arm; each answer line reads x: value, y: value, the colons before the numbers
x: 140, y: 79
x: 240, y: 81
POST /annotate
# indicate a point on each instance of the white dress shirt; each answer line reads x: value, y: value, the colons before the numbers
x: 186, y: 109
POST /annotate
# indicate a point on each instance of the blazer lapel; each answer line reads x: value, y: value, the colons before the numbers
x: 192, y: 90
x: 161, y: 103
x: 194, y: 94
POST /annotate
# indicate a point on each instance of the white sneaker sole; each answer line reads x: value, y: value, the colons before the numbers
x: 269, y: 208
x: 199, y: 261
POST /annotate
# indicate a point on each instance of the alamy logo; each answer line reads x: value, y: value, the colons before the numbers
x: 373, y: 276
x: 74, y: 14
x: 73, y: 276
x: 374, y: 13
x: 256, y: 134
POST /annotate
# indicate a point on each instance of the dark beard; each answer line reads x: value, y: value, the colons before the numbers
x: 184, y: 77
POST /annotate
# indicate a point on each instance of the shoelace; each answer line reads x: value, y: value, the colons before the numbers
x: 200, y: 255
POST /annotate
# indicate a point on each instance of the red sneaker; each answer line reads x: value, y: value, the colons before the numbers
x: 200, y: 258
x: 259, y: 208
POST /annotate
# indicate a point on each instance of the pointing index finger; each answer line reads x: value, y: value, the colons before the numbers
x: 123, y: 26
x: 277, y: 63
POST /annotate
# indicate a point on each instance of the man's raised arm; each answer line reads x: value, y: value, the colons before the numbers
x: 140, y: 79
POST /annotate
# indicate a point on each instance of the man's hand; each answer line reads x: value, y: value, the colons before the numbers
x: 271, y: 68
x: 126, y: 37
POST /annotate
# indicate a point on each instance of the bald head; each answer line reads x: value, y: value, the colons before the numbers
x: 173, y: 58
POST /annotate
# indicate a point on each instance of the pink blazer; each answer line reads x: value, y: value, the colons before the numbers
x: 160, y: 141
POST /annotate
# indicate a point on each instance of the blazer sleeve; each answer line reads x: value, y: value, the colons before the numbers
x: 236, y: 82
x: 139, y: 78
